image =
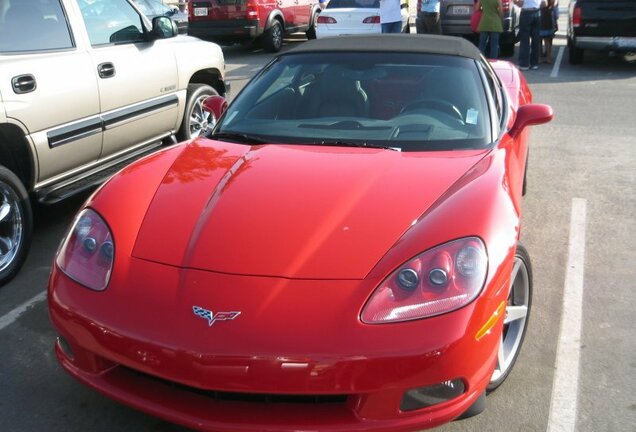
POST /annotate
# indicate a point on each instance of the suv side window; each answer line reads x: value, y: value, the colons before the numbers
x: 111, y: 21
x: 33, y: 26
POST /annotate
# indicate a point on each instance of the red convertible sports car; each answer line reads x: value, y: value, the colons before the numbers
x: 339, y: 254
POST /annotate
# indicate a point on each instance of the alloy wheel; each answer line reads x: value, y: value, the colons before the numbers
x: 515, y: 320
x: 10, y: 225
x: 200, y: 120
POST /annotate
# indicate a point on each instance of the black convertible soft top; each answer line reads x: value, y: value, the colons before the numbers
x: 408, y: 43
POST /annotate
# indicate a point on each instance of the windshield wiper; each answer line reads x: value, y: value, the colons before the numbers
x: 239, y: 137
x: 339, y: 143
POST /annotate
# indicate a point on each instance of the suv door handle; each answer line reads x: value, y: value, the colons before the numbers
x: 106, y: 70
x: 23, y: 84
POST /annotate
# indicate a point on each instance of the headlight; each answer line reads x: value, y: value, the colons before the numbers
x: 86, y: 255
x: 435, y: 282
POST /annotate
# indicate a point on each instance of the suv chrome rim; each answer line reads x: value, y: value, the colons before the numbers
x: 200, y: 120
x: 10, y: 225
x: 277, y: 36
x: 515, y: 319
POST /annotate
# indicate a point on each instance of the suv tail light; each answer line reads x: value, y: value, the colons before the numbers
x: 371, y: 20
x: 251, y: 11
x: 576, y: 17
x: 326, y: 20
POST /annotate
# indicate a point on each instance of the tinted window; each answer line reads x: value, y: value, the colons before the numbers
x: 111, y: 21
x: 33, y: 25
x: 335, y: 4
x: 414, y: 102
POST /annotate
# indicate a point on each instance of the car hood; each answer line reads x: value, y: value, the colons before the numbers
x: 308, y: 212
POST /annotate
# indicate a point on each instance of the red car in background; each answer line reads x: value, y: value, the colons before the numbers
x: 230, y: 21
x: 341, y: 253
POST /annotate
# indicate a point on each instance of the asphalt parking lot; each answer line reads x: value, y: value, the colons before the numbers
x: 578, y: 226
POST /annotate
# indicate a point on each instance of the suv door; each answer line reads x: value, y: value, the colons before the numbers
x: 137, y: 79
x: 303, y: 10
x: 42, y: 72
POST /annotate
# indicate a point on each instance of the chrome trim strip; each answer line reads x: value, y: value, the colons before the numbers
x: 66, y: 134
x: 124, y: 114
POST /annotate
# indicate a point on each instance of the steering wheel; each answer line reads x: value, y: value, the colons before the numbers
x: 434, y: 104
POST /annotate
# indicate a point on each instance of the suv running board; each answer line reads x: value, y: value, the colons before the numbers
x: 85, y: 181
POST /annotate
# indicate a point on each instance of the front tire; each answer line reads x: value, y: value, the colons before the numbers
x: 195, y: 120
x: 516, y: 318
x: 273, y: 37
x: 16, y: 225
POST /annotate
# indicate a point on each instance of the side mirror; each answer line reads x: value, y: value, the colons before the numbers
x: 163, y: 28
x: 216, y: 105
x: 531, y: 114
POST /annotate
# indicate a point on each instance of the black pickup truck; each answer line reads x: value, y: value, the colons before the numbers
x: 601, y: 25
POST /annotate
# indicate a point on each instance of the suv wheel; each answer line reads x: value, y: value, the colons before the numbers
x: 575, y: 55
x: 311, y: 31
x: 195, y: 120
x: 273, y: 37
x: 507, y: 49
x: 16, y: 224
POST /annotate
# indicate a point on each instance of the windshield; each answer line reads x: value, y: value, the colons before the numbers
x: 404, y: 101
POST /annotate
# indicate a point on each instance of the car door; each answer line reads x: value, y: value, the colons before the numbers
x: 42, y: 72
x: 137, y: 79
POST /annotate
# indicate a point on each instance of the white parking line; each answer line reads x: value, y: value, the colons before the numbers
x: 14, y: 314
x: 566, y: 376
x: 557, y: 63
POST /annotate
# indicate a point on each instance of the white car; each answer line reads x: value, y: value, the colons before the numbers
x: 347, y: 17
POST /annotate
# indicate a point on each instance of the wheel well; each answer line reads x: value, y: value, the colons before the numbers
x: 276, y: 15
x: 15, y: 154
x: 210, y: 77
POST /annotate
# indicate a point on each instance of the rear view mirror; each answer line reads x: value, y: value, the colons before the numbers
x: 531, y: 114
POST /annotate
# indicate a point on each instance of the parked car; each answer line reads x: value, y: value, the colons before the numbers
x: 348, y: 17
x: 230, y: 21
x: 601, y: 25
x: 85, y: 87
x: 455, y: 17
x: 347, y: 236
x: 153, y: 8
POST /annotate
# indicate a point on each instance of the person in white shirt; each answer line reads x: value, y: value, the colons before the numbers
x: 390, y: 16
x: 529, y: 38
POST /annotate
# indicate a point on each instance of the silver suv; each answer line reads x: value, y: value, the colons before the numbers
x: 87, y: 86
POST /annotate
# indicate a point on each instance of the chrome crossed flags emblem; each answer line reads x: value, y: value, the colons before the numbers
x: 213, y: 317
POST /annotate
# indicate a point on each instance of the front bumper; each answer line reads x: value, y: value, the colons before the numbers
x: 139, y: 349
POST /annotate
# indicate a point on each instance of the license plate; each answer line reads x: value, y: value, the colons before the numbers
x: 461, y: 10
x: 200, y: 11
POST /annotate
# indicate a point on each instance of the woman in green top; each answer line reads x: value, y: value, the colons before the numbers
x: 490, y: 26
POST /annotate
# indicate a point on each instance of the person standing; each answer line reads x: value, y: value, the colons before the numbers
x: 390, y: 16
x: 549, y: 27
x: 490, y: 26
x: 429, y: 17
x: 529, y: 39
